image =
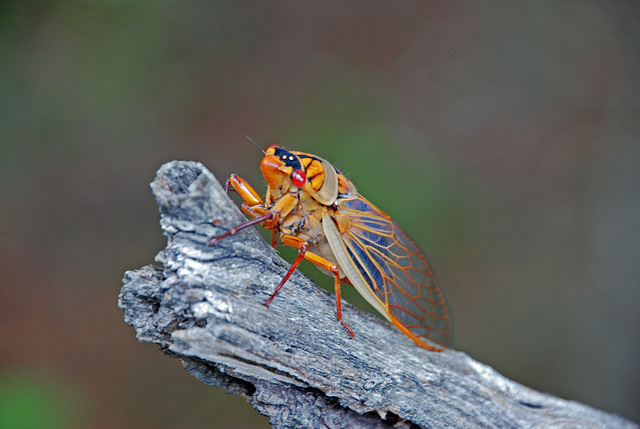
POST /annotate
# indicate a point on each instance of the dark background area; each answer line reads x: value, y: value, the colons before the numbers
x: 504, y: 138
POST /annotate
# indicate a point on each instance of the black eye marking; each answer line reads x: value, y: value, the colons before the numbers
x: 288, y: 158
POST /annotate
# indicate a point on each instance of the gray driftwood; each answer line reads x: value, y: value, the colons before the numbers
x: 294, y: 361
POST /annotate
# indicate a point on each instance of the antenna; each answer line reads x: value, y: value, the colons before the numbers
x: 251, y: 140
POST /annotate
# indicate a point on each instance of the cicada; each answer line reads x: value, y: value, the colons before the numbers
x: 317, y: 210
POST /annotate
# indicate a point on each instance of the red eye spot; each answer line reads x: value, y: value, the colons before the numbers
x: 298, y: 178
x: 275, y: 146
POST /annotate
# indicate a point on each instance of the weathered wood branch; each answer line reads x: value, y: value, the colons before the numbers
x: 293, y: 361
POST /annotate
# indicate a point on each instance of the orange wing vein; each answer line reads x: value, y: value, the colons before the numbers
x: 397, y: 271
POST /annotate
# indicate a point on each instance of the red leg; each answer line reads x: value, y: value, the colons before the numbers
x: 234, y: 230
x: 302, y: 246
x: 339, y: 304
x: 303, y: 250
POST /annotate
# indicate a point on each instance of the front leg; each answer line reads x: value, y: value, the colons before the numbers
x: 261, y: 212
x: 254, y: 207
x: 244, y: 189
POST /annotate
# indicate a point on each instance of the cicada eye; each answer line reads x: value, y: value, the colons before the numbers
x: 275, y: 146
x: 298, y: 178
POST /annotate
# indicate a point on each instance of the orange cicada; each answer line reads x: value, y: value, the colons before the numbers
x: 317, y: 210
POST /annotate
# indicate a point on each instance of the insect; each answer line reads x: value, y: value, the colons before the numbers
x: 318, y: 211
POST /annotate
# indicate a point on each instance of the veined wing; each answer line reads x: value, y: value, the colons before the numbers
x: 397, y: 272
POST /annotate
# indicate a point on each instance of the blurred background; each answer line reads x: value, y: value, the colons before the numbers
x: 505, y: 138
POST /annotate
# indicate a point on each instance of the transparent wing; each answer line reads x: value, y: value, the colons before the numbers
x: 398, y: 273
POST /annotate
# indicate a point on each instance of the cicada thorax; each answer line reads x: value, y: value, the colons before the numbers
x: 322, y: 178
x: 311, y: 184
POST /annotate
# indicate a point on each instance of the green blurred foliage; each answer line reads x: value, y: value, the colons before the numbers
x: 33, y: 400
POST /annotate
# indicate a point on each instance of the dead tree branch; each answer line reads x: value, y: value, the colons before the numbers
x: 294, y: 361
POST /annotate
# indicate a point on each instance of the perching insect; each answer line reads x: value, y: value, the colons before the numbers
x: 317, y: 210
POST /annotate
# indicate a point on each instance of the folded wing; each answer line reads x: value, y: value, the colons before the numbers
x: 397, y: 272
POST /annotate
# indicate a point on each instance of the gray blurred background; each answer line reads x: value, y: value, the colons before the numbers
x: 504, y: 137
